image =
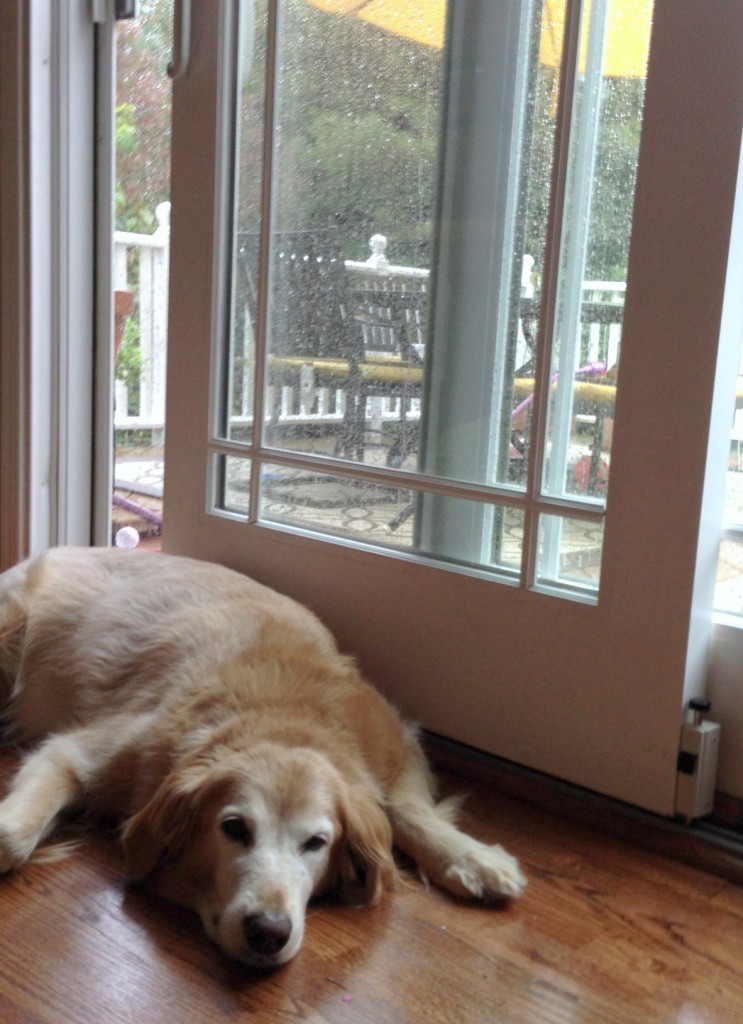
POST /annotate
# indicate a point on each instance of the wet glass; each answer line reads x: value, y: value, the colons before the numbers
x: 230, y: 485
x: 396, y: 303
x: 354, y: 168
x: 606, y: 119
x: 569, y: 554
x: 376, y: 514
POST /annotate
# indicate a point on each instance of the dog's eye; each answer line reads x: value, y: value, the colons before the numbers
x: 314, y: 843
x: 236, y: 829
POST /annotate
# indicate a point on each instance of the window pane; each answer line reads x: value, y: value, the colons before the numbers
x: 396, y: 300
x: 356, y: 159
x: 377, y: 514
x: 236, y: 414
x: 606, y: 120
x: 231, y: 485
x: 570, y: 554
x: 351, y: 236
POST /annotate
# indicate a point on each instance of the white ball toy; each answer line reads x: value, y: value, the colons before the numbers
x: 127, y: 537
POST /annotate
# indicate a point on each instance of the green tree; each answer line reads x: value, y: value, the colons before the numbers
x: 143, y: 116
x: 358, y: 119
x: 357, y: 125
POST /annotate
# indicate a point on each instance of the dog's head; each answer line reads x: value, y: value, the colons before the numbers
x: 247, y: 839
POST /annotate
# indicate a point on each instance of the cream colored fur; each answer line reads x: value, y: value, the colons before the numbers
x: 250, y: 765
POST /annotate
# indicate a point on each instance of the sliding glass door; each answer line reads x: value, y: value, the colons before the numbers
x: 414, y: 330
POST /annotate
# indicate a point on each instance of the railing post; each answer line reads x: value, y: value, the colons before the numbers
x: 120, y: 284
x: 146, y: 348
x: 160, y: 277
x: 378, y: 259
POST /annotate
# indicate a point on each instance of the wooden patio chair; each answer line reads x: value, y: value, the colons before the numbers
x: 359, y: 339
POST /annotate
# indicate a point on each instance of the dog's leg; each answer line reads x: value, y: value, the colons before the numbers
x: 445, y: 855
x: 50, y: 780
x: 12, y: 624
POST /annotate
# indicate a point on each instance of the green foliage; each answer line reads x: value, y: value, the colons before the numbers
x: 143, y: 116
x: 357, y: 134
x: 129, y: 363
x: 126, y: 132
x: 614, y: 182
x: 614, y: 174
x: 358, y: 119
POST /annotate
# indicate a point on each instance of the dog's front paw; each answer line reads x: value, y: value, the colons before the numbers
x: 487, y: 873
x: 15, y: 850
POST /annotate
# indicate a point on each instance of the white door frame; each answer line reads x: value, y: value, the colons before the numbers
x: 47, y: 208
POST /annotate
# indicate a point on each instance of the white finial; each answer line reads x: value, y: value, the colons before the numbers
x: 378, y: 260
x: 527, y: 281
x: 162, y: 216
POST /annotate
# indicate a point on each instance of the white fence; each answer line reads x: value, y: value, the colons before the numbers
x: 141, y: 266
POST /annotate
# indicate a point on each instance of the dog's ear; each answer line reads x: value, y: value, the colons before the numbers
x: 365, y: 865
x: 158, y: 832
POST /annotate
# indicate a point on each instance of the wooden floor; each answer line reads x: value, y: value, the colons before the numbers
x: 607, y: 932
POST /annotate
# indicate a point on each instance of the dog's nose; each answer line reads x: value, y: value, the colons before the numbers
x: 267, y: 933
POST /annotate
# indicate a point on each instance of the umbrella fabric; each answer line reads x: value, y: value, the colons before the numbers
x: 627, y: 36
x: 423, y: 21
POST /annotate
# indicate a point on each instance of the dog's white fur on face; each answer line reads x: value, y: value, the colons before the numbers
x: 250, y: 765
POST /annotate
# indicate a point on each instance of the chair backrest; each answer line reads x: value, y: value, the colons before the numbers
x: 393, y: 321
x: 307, y: 281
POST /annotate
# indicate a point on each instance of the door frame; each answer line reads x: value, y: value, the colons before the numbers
x: 47, y: 210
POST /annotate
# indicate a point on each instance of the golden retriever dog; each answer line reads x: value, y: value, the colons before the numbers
x: 249, y: 764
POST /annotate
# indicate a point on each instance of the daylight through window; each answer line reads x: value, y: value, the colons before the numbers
x: 430, y: 231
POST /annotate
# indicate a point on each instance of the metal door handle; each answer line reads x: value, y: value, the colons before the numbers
x: 182, y: 32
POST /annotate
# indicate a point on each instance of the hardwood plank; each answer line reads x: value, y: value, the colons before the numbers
x: 717, y: 850
x: 607, y: 933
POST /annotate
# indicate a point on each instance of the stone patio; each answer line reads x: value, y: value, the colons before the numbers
x: 351, y: 509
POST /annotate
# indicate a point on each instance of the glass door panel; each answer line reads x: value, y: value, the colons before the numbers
x: 606, y: 101
x: 366, y: 329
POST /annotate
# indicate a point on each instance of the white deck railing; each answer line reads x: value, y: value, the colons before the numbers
x: 141, y: 266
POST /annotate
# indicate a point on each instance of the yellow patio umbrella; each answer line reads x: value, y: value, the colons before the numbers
x: 423, y: 21
x: 627, y: 36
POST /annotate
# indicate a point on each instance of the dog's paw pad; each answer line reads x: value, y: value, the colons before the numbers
x: 488, y: 873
